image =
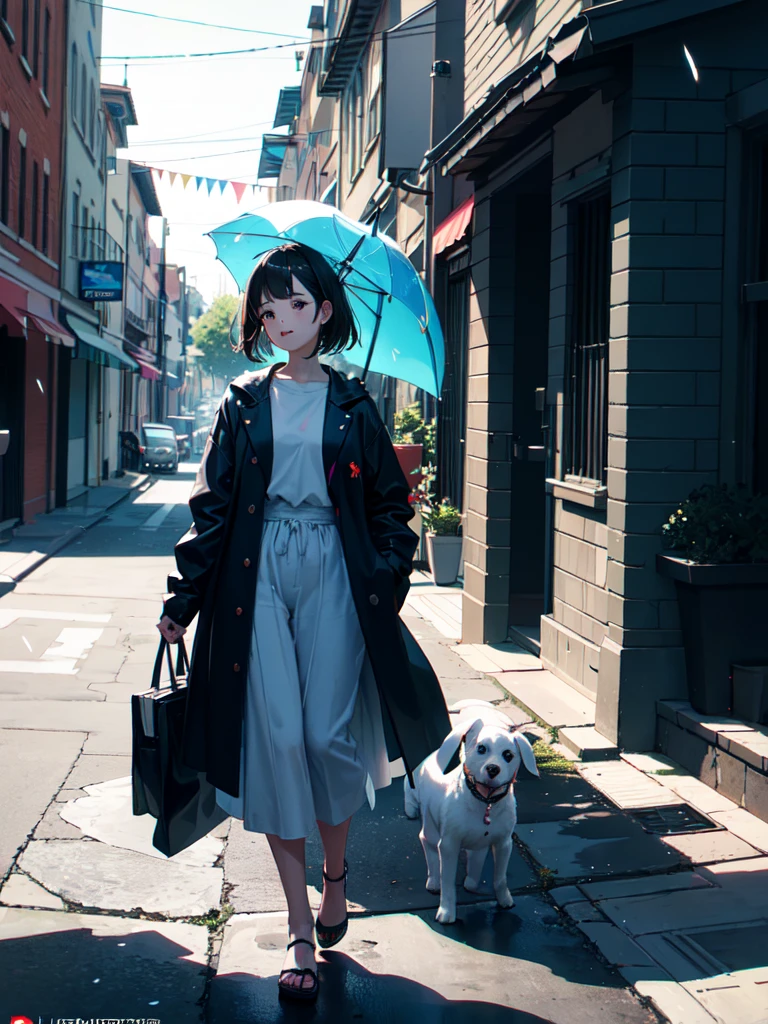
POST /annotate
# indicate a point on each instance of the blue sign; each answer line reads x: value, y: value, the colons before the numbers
x: 101, y: 281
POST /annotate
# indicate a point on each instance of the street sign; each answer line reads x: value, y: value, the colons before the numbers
x: 101, y: 281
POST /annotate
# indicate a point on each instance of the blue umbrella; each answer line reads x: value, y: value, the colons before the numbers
x: 399, y: 330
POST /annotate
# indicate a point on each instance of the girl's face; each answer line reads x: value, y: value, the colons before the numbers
x: 291, y: 324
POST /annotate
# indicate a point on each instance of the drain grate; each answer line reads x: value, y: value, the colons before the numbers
x: 677, y: 819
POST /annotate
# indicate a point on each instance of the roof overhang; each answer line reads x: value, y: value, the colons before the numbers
x: 343, y: 55
x: 615, y: 21
x: 517, y: 101
x: 288, y: 106
x: 142, y: 177
x: 118, y: 103
x: 273, y: 148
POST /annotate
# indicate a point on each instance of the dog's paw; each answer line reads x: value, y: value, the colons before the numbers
x: 445, y: 916
x: 504, y: 899
x: 411, y: 817
x: 433, y: 886
x: 472, y: 884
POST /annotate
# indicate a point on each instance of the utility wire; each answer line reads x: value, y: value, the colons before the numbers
x: 198, y: 135
x: 186, y: 21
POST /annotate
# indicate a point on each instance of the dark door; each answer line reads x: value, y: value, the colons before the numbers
x: 12, y: 418
x: 527, y: 278
x: 62, y: 424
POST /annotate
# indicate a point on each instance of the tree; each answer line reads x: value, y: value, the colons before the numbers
x: 211, y: 334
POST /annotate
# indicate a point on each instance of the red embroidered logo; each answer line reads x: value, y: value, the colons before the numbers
x: 355, y: 469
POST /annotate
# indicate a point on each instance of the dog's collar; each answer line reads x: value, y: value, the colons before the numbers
x: 492, y: 798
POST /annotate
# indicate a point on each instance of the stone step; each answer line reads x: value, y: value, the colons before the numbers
x: 587, y: 743
x: 550, y: 699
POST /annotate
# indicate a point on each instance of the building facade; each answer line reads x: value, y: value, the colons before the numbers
x: 35, y: 346
x: 615, y: 362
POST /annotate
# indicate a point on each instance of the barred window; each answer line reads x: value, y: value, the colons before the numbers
x: 586, y: 414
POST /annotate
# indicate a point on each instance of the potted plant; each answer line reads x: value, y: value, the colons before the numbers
x: 414, y: 442
x: 443, y: 523
x: 720, y: 572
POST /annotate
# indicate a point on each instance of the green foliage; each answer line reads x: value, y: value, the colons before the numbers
x: 410, y: 428
x: 211, y: 334
x: 549, y: 761
x: 718, y: 525
x: 438, y: 517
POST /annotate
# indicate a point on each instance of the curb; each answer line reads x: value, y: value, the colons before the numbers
x: 73, y: 533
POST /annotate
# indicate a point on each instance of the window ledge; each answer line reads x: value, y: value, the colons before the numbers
x: 25, y: 65
x: 592, y: 495
x: 36, y: 252
x: 7, y: 31
x: 46, y: 101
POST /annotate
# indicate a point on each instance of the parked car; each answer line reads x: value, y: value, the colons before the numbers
x: 184, y: 427
x: 158, y: 447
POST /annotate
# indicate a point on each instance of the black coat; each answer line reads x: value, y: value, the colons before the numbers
x: 218, y: 562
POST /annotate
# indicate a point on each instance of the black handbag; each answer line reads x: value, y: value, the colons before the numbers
x: 182, y: 799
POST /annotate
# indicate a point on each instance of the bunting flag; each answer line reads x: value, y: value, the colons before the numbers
x: 239, y: 187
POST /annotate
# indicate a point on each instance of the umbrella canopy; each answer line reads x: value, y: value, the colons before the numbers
x: 399, y: 330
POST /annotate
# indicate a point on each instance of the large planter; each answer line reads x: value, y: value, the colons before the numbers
x: 409, y: 457
x: 444, y: 556
x: 723, y: 615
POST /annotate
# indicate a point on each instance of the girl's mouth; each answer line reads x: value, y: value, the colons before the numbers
x: 283, y: 333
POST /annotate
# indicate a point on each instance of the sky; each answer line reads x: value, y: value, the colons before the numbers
x: 202, y: 115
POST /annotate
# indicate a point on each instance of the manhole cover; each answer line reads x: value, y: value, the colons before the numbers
x: 677, y: 819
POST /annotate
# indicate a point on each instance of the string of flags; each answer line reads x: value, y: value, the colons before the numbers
x: 238, y: 187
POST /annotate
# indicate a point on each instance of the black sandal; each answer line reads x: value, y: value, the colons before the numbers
x: 331, y: 936
x: 299, y: 991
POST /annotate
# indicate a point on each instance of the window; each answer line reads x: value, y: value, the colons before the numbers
x: 45, y: 213
x: 373, y: 119
x: 92, y: 121
x: 36, y: 39
x: 354, y: 108
x: 22, y: 189
x: 83, y: 98
x: 5, y: 171
x: 25, y: 29
x: 46, y: 49
x: 75, y: 223
x: 84, y: 234
x: 586, y: 417
x: 34, y: 220
x: 73, y: 99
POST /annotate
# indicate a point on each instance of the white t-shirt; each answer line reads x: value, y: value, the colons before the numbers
x: 298, y: 415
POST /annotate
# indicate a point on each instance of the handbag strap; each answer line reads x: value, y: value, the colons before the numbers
x: 182, y: 663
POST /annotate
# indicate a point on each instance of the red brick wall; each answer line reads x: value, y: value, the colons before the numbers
x: 25, y: 107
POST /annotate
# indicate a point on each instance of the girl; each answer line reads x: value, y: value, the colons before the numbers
x: 302, y: 674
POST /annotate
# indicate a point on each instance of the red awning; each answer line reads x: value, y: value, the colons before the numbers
x: 60, y: 335
x: 146, y: 370
x: 11, y: 296
x: 454, y: 226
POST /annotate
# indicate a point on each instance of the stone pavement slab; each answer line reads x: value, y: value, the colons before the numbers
x: 683, y: 910
x: 615, y: 945
x: 736, y: 998
x: 499, y: 967
x: 549, y: 698
x: 92, y: 874
x: 626, y: 786
x: 64, y: 965
x: 746, y: 826
x: 596, y: 844
x: 498, y: 657
x: 21, y: 891
x: 710, y: 847
x: 105, y: 813
x: 644, y: 885
x: 33, y: 765
x: 554, y: 797
x: 677, y: 1005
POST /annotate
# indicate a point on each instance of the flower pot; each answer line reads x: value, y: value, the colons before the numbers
x: 723, y: 610
x: 444, y: 556
x: 409, y: 457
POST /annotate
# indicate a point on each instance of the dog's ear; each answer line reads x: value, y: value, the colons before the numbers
x: 470, y: 736
x: 452, y: 742
x: 526, y: 751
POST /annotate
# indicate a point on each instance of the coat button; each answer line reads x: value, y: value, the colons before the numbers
x: 254, y: 460
x: 341, y: 427
x: 246, y: 562
x: 373, y: 599
x: 251, y: 509
x: 238, y: 611
x: 235, y: 667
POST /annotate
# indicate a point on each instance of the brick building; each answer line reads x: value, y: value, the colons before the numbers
x: 34, y: 345
x: 617, y: 304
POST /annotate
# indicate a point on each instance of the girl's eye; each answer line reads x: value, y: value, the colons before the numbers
x: 269, y: 315
x: 298, y: 304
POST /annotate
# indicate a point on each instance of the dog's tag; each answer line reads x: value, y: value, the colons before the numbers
x: 487, y: 818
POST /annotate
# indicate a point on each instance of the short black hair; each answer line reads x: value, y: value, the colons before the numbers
x: 273, y: 277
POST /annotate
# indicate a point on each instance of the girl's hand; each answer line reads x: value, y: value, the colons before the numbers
x: 170, y: 631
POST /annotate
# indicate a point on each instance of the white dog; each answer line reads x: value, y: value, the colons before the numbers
x: 473, y: 806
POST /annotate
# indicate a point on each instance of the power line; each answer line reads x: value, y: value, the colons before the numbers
x: 186, y: 21
x: 182, y: 138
